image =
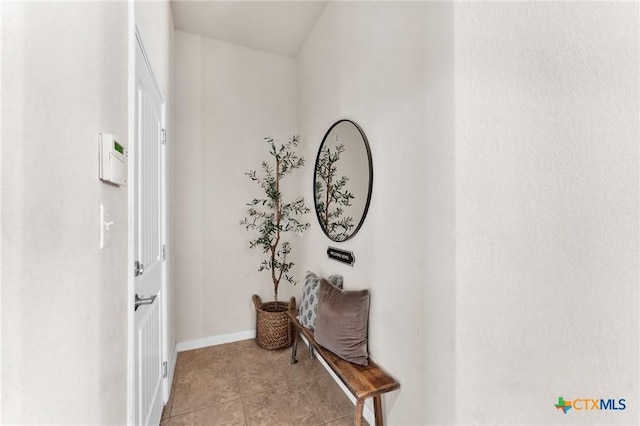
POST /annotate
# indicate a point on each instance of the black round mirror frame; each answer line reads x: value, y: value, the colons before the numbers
x: 369, y: 189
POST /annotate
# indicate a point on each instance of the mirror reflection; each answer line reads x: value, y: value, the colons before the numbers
x: 343, y: 180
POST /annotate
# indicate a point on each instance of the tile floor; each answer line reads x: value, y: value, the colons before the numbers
x: 242, y: 384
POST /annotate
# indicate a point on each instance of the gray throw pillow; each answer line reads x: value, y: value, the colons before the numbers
x: 309, y: 300
x: 342, y: 323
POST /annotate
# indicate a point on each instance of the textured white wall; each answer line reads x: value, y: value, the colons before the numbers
x: 389, y: 67
x: 64, y: 301
x: 547, y: 210
x: 228, y: 98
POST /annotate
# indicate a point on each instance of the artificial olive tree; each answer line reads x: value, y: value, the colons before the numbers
x: 272, y: 216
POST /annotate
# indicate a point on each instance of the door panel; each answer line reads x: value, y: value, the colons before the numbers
x: 149, y: 135
x: 148, y: 237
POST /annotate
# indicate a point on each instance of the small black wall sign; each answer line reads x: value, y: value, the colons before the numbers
x: 343, y: 256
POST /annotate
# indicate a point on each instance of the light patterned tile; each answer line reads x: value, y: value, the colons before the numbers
x: 225, y: 414
x: 346, y: 421
x: 220, y: 356
x: 212, y: 372
x: 248, y: 352
x: 280, y: 407
x: 329, y: 402
x: 209, y: 383
x: 303, y: 371
x: 199, y: 389
x: 261, y: 376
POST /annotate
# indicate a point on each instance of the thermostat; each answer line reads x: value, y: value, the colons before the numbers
x: 113, y: 159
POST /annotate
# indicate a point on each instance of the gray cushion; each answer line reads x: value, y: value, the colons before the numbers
x: 342, y: 323
x: 309, y: 300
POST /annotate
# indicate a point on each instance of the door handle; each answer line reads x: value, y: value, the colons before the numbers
x: 143, y: 301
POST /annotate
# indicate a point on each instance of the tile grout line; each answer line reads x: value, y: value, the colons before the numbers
x: 244, y: 410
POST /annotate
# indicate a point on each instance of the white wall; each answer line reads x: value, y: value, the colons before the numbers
x: 64, y: 301
x: 547, y: 210
x: 389, y: 67
x: 227, y: 99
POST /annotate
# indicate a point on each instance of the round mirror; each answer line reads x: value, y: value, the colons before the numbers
x: 343, y: 180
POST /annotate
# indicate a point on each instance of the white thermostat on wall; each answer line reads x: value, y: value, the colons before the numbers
x: 113, y: 159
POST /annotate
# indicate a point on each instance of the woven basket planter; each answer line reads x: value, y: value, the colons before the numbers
x: 273, y: 328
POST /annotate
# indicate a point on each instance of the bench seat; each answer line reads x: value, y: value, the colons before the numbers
x: 363, y: 381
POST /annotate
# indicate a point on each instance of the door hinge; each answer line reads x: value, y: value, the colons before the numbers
x: 164, y: 252
x: 164, y: 136
x: 164, y: 370
x: 138, y: 268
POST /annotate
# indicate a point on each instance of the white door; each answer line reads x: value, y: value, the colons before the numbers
x: 148, y: 232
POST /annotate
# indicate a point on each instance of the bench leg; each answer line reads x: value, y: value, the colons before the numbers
x: 377, y: 407
x: 312, y: 355
x: 294, y: 348
x: 359, y: 408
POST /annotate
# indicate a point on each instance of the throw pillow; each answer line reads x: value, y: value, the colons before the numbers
x: 342, y: 323
x: 309, y: 300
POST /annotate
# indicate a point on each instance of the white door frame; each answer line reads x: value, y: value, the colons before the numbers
x: 135, y: 38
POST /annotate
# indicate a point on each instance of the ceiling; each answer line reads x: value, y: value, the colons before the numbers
x: 278, y: 27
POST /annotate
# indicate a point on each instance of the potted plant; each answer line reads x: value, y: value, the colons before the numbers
x: 273, y: 217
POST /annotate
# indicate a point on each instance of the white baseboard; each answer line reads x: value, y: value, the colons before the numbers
x: 172, y: 370
x: 251, y: 334
x: 215, y: 340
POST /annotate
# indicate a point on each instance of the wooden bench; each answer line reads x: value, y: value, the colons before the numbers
x: 363, y: 382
